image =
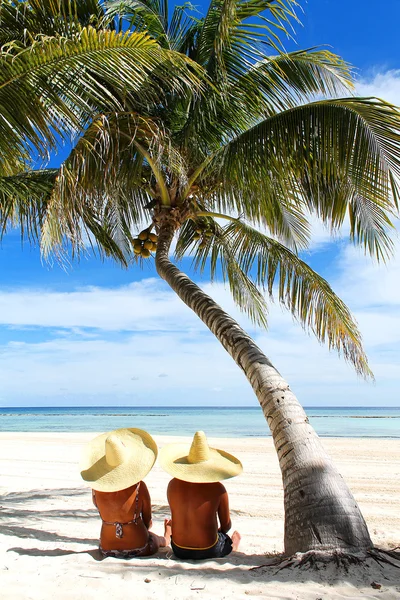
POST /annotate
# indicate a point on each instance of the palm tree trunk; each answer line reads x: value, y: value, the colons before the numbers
x: 320, y: 511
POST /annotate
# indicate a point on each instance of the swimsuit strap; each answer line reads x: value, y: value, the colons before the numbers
x: 136, y: 515
x: 192, y: 548
x: 119, y: 531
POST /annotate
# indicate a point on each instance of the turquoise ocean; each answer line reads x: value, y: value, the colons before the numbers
x: 216, y: 422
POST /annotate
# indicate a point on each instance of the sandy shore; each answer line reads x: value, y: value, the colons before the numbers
x: 49, y: 528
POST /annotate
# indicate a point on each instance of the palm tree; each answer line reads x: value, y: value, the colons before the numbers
x: 234, y: 171
x: 59, y: 64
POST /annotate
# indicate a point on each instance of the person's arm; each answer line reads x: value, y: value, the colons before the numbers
x: 146, y: 505
x: 223, y: 512
x: 169, y: 496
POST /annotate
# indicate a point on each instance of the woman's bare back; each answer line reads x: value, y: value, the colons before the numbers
x: 123, y: 515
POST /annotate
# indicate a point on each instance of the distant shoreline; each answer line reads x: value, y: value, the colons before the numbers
x: 165, y: 407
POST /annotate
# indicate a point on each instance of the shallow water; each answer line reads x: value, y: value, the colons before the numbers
x: 217, y: 422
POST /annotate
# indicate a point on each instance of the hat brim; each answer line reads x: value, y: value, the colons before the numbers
x: 221, y: 465
x: 103, y: 477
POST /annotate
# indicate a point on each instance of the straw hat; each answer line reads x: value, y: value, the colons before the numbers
x: 200, y: 463
x: 116, y: 460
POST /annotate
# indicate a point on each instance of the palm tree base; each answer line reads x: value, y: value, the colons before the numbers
x: 316, y: 560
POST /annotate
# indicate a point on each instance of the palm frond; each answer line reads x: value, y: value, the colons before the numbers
x: 230, y: 40
x: 281, y: 82
x: 152, y: 17
x: 140, y: 15
x: 369, y: 226
x: 227, y: 43
x: 111, y: 171
x: 23, y: 201
x: 282, y: 218
x: 323, y: 155
x: 273, y: 267
x: 65, y: 75
x: 224, y: 263
x: 24, y: 20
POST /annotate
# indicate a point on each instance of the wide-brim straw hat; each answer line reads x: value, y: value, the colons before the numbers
x: 116, y: 460
x: 199, y: 463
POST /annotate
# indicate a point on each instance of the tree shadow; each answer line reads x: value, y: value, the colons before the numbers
x: 36, y: 515
x: 41, y: 535
x: 242, y: 568
x: 95, y: 553
x: 255, y: 568
x: 32, y: 495
x: 239, y: 568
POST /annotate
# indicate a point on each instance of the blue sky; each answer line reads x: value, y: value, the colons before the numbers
x: 98, y: 334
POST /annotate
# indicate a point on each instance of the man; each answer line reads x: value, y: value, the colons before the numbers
x: 198, y: 500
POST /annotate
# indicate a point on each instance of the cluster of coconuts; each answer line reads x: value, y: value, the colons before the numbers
x: 145, y: 243
x: 203, y: 233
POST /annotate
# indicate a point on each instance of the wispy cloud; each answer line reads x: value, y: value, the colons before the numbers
x: 137, y: 334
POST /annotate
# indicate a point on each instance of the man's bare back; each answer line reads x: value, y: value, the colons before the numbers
x: 195, y: 508
x: 198, y: 500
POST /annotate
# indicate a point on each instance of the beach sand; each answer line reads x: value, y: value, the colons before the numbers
x: 49, y: 528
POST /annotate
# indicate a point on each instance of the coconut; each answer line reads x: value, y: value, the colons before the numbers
x: 148, y: 245
x: 145, y: 253
x: 143, y: 235
x: 153, y: 237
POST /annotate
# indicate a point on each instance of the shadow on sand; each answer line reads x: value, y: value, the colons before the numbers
x: 32, y: 495
x: 94, y: 553
x: 238, y: 567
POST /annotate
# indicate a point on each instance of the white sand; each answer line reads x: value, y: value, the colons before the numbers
x: 49, y: 528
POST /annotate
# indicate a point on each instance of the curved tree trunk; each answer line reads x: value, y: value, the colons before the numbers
x: 320, y: 511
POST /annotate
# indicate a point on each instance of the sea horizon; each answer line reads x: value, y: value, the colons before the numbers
x: 217, y: 421
x: 333, y: 406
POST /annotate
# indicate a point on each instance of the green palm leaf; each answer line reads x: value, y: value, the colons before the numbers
x: 214, y: 252
x: 323, y: 155
x: 269, y: 265
x: 23, y: 21
x: 281, y: 82
x: 23, y: 201
x: 65, y: 76
x: 140, y: 16
x: 108, y: 179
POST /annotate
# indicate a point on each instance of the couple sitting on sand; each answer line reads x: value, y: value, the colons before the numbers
x: 114, y: 465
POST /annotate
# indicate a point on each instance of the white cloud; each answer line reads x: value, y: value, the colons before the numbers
x: 384, y: 85
x: 143, y: 305
x: 142, y: 332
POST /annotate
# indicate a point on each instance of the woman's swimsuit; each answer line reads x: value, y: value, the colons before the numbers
x: 119, y: 527
x: 119, y: 533
x: 221, y: 547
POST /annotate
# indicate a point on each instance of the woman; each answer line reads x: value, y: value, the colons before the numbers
x: 114, y: 465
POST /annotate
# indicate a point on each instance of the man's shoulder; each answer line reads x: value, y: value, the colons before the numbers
x: 213, y: 488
